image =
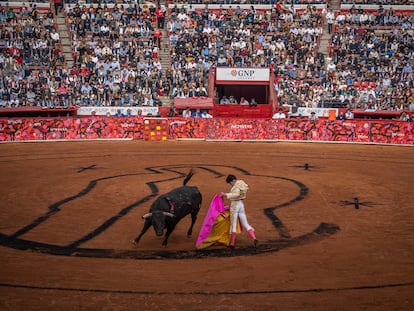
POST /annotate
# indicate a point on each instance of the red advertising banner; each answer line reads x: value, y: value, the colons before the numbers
x: 241, y: 129
x: 95, y: 127
x: 320, y: 130
x: 188, y: 128
x: 397, y: 132
x: 71, y: 128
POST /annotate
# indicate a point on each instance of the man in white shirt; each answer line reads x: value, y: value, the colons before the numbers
x: 280, y: 45
x: 224, y: 100
x: 313, y: 116
x: 331, y: 67
x: 330, y: 18
x: 244, y: 101
x: 187, y: 112
x: 349, y: 115
x: 279, y: 115
x: 105, y: 29
x: 206, y: 115
x: 54, y: 35
x: 340, y: 19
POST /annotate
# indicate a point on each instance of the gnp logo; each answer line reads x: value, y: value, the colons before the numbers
x: 243, y: 74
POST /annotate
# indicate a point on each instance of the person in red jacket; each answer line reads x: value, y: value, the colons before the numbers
x: 57, y: 6
x: 160, y: 14
x: 157, y: 37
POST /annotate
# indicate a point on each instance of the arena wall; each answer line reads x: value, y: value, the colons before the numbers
x: 214, y: 129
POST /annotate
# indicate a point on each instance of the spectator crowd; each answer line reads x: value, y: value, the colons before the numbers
x: 116, y: 51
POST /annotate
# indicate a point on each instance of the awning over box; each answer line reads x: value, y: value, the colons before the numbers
x: 194, y: 103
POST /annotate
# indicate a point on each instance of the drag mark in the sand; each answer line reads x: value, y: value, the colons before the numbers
x: 280, y: 241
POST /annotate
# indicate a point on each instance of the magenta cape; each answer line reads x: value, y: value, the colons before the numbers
x: 216, y: 208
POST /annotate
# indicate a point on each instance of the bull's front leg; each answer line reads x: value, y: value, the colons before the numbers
x: 170, y: 229
x: 193, y: 220
x: 147, y: 225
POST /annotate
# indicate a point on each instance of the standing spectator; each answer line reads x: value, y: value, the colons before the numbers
x: 330, y: 18
x: 187, y: 112
x: 172, y: 112
x: 34, y: 13
x: 159, y: 13
x: 157, y: 37
x: 57, y: 6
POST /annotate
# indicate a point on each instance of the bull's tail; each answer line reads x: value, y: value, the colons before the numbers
x: 188, y: 177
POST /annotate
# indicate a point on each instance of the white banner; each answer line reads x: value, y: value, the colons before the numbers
x: 319, y: 112
x: 242, y: 74
x: 121, y: 111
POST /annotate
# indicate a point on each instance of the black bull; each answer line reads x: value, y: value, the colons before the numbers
x: 168, y: 209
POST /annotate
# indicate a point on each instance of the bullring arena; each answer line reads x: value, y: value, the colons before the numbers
x: 334, y: 222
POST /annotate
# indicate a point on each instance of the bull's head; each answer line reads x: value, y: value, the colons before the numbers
x: 158, y: 220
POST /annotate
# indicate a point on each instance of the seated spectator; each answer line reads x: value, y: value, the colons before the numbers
x: 341, y: 116
x: 244, y: 102
x: 119, y: 113
x: 232, y: 100
x: 3, y: 101
x: 349, y: 115
x: 371, y: 56
x: 31, y: 95
x: 156, y: 99
x: 313, y: 116
x: 201, y: 91
x: 54, y: 35
x: 206, y: 115
x: 196, y: 114
x: 253, y: 103
x: 279, y: 115
x: 411, y: 106
x: 404, y: 116
x: 224, y: 100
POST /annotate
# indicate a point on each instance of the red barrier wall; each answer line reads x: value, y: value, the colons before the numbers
x: 93, y: 127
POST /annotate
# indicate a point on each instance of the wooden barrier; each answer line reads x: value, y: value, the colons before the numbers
x: 160, y: 129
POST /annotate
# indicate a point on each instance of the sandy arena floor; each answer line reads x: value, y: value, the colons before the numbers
x: 335, y: 224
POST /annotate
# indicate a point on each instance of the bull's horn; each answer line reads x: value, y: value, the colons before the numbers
x: 168, y: 214
x: 148, y: 215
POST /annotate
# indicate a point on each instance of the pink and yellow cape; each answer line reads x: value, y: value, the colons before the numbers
x: 216, y: 225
